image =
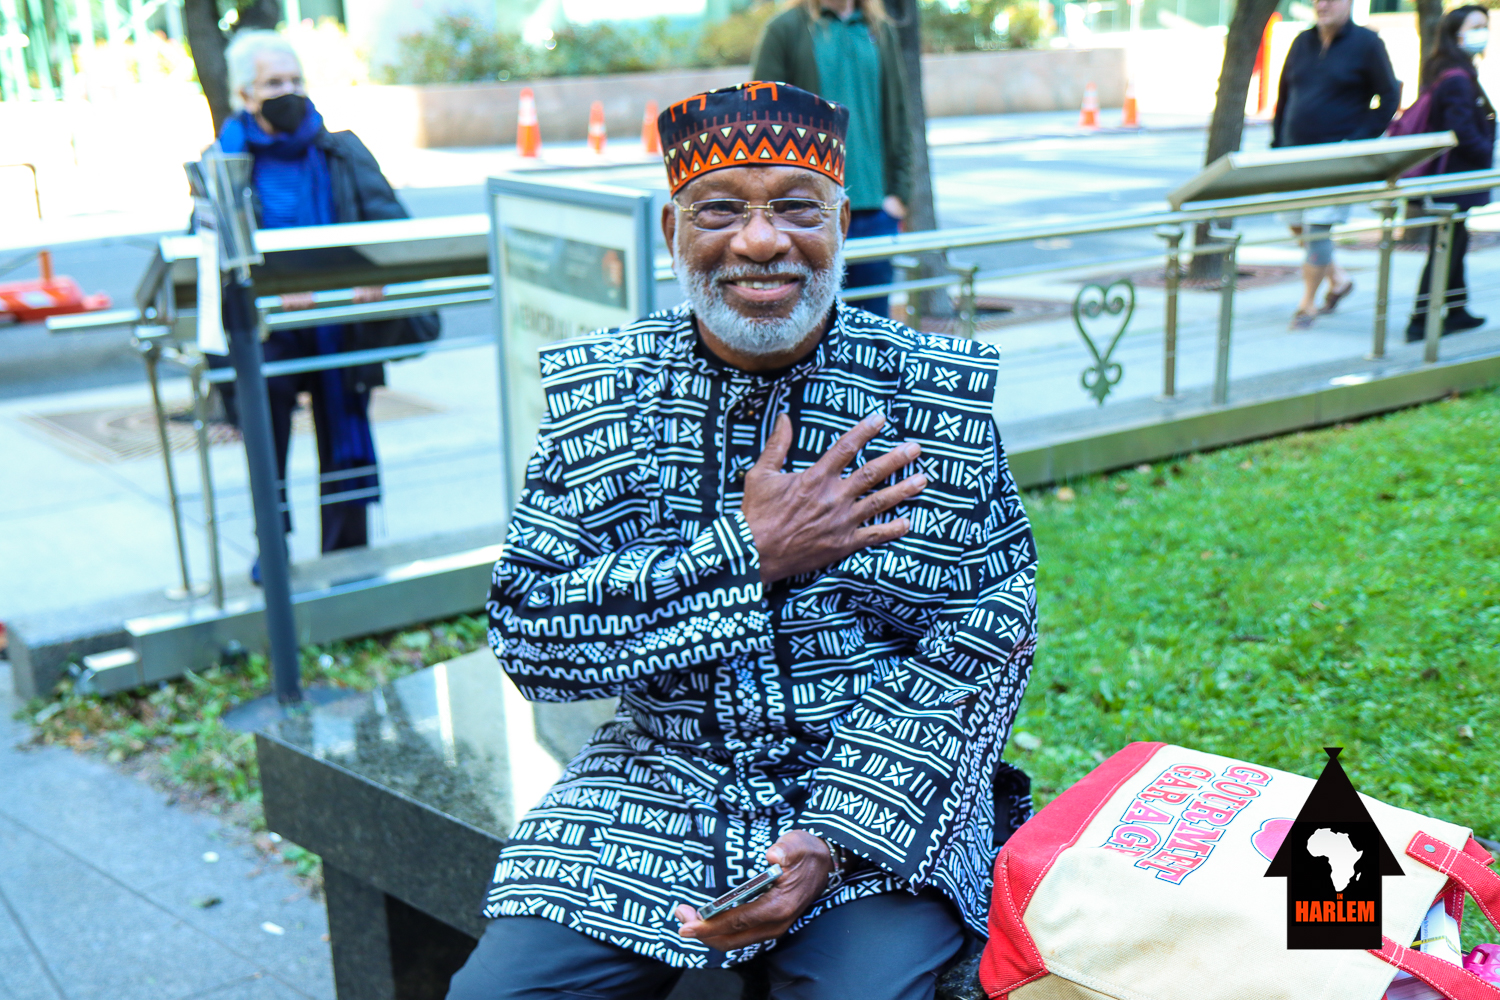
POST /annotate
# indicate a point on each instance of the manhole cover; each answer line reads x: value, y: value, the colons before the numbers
x: 124, y: 433
x: 1246, y: 276
x: 992, y: 312
x: 1413, y: 239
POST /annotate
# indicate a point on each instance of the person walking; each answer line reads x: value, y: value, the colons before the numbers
x: 846, y: 51
x: 305, y: 175
x: 1336, y: 85
x: 1459, y: 104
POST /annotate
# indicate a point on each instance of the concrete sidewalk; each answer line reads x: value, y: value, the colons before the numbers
x: 102, y: 884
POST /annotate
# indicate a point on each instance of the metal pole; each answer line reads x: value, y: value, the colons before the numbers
x: 1173, y: 236
x: 1437, y: 288
x: 83, y: 12
x: 913, y: 303
x: 969, y: 306
x: 63, y: 51
x: 260, y: 454
x: 38, y: 50
x: 151, y: 351
x: 1226, y: 315
x: 205, y: 474
x: 1387, y: 210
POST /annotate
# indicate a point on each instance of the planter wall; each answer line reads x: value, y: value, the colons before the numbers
x: 484, y: 114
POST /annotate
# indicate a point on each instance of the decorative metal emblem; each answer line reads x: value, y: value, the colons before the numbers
x: 1093, y: 301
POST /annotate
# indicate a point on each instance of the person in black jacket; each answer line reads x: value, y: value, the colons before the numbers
x: 1458, y: 104
x: 1334, y: 74
x: 847, y: 52
x: 305, y: 175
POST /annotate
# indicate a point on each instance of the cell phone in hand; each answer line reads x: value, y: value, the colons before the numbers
x: 742, y: 894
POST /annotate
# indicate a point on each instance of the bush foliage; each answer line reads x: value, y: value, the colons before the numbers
x: 459, y: 49
x: 976, y: 25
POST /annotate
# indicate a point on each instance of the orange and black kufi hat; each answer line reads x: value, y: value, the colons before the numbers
x: 758, y: 124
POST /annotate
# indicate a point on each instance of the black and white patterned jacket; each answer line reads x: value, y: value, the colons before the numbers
x: 867, y: 703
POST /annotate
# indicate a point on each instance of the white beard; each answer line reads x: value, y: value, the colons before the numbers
x: 754, y: 335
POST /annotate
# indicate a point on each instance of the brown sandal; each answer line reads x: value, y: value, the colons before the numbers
x: 1332, y: 299
x: 1302, y: 321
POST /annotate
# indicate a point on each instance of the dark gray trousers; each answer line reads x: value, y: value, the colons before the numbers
x: 887, y: 947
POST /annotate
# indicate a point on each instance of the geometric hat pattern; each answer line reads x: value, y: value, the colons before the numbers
x: 760, y: 123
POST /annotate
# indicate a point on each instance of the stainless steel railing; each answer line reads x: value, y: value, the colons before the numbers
x: 1169, y: 225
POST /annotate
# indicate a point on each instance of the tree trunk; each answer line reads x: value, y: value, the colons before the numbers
x: 258, y: 14
x: 1227, y: 127
x: 1429, y: 16
x: 200, y: 19
x: 920, y: 214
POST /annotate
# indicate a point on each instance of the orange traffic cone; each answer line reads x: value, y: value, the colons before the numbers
x: 1131, y: 117
x: 596, y: 127
x: 1089, y: 117
x: 528, y: 132
x: 650, y: 137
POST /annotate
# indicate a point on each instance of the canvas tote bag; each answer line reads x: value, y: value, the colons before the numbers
x: 1087, y: 905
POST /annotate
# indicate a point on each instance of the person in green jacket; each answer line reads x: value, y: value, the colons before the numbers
x: 846, y: 51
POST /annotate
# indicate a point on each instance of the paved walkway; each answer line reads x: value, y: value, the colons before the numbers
x: 101, y: 883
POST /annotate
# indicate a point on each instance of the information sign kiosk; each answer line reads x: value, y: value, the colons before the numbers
x: 566, y: 261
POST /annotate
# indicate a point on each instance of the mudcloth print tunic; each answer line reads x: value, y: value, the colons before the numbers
x: 867, y: 703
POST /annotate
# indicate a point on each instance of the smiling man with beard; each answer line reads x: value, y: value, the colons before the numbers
x: 782, y: 531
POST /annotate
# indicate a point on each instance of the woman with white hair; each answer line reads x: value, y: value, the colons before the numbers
x: 305, y: 175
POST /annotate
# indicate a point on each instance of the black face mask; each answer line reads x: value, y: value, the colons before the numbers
x: 285, y: 113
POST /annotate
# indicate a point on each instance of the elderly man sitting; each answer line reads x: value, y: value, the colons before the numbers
x: 815, y: 670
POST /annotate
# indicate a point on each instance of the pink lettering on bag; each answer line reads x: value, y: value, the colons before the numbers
x: 1197, y: 816
x: 1133, y: 839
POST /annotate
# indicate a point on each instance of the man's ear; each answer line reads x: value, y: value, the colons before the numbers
x: 846, y: 215
x: 669, y: 226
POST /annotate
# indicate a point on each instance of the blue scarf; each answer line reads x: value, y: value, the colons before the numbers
x: 291, y: 173
x: 294, y: 188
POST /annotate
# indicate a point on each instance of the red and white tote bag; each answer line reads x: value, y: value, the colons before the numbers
x: 1109, y: 892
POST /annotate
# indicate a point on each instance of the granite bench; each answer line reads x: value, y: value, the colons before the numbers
x: 407, y: 793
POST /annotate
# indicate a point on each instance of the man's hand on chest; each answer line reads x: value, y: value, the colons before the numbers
x: 806, y: 521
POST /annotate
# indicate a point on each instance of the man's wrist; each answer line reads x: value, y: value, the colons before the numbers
x: 841, y: 861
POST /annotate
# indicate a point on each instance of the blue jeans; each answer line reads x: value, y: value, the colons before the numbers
x: 871, y: 222
x: 887, y: 947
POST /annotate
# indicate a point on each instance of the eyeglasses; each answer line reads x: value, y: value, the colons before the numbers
x: 726, y: 215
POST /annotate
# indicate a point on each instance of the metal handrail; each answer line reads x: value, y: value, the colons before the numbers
x: 296, y: 319
x: 351, y: 359
x: 339, y: 305
x: 927, y: 241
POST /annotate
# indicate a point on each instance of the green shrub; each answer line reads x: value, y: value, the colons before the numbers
x: 602, y: 47
x: 1025, y: 27
x: 731, y: 42
x: 970, y: 26
x: 458, y: 49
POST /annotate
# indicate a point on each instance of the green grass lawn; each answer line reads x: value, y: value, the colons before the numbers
x: 1332, y: 588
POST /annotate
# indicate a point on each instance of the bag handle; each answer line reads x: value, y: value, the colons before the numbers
x: 1470, y: 868
x: 1470, y: 872
x: 1450, y: 980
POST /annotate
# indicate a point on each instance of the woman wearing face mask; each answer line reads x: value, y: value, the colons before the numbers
x: 305, y: 175
x: 1459, y: 104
